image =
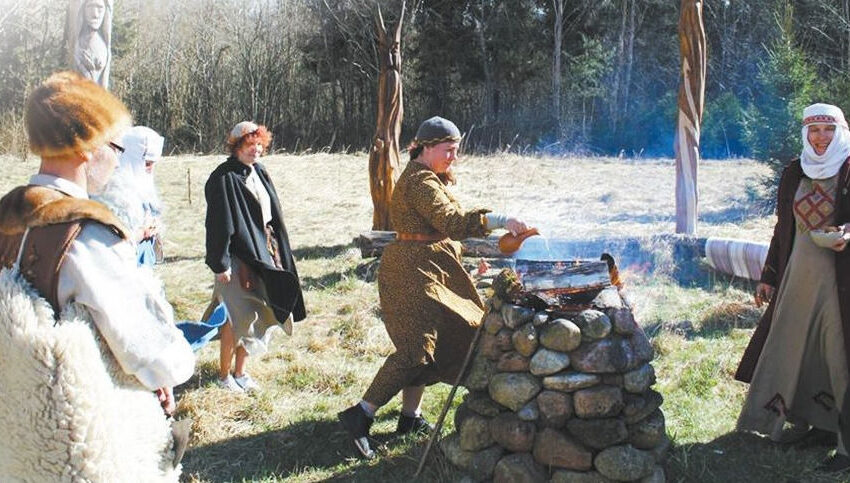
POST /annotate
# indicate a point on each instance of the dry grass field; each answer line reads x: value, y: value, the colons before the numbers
x: 288, y: 432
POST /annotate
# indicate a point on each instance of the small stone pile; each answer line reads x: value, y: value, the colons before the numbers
x: 561, y: 396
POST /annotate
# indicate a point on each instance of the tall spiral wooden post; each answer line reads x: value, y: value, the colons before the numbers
x: 385, y: 153
x: 691, y: 106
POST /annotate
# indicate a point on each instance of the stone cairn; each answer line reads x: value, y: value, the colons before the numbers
x: 560, y: 395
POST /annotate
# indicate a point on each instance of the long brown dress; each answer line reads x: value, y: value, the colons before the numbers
x: 429, y: 304
x: 802, y: 376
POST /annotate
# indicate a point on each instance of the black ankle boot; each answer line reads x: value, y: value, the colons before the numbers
x: 357, y: 423
x: 413, y: 424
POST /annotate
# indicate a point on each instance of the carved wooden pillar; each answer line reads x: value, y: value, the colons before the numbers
x: 88, y: 36
x: 384, y: 155
x: 691, y: 105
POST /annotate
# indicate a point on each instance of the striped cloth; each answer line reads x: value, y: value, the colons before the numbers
x: 736, y: 257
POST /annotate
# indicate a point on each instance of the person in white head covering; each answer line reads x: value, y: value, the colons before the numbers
x: 797, y: 360
x: 142, y: 150
x: 826, y: 141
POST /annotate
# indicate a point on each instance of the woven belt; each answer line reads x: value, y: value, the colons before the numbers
x: 421, y: 237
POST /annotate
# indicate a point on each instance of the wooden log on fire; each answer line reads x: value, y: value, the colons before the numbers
x: 573, y: 275
x: 564, y: 284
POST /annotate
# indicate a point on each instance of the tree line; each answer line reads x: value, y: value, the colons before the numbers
x: 553, y: 76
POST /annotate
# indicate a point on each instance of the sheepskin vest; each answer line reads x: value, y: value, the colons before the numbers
x: 54, y: 220
x: 64, y: 399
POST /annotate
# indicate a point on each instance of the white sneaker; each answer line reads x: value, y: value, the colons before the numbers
x: 230, y: 384
x: 247, y: 383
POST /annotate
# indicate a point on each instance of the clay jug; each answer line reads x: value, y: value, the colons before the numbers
x: 510, y: 243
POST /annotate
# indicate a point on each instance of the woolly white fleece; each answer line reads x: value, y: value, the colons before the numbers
x: 67, y: 411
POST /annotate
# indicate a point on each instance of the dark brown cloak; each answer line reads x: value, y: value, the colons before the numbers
x: 780, y: 251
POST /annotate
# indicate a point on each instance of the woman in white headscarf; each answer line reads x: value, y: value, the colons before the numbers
x: 142, y: 150
x: 797, y: 360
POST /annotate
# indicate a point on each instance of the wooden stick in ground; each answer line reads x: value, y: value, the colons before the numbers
x: 439, y: 425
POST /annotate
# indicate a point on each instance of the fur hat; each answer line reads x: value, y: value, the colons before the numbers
x: 69, y: 114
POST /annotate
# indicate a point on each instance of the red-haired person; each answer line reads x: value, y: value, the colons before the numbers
x: 248, y: 250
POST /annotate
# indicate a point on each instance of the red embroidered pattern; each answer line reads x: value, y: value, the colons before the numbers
x: 815, y: 209
x: 825, y: 400
x: 818, y: 118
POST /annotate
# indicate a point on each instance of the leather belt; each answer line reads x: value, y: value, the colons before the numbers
x: 421, y: 237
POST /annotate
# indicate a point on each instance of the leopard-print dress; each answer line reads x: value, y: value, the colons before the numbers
x: 429, y: 304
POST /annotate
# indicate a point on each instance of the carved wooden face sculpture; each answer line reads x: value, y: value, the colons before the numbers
x: 395, y: 56
x: 95, y: 11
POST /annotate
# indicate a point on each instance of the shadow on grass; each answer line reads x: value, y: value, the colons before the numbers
x: 744, y: 457
x: 302, y: 253
x: 366, y: 271
x: 320, y: 251
x: 182, y: 258
x: 327, y: 280
x: 737, y: 212
x: 643, y: 218
x: 312, y: 446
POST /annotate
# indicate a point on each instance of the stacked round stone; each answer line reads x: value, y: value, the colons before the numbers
x: 562, y: 397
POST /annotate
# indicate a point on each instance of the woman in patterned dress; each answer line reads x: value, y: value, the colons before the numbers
x: 429, y: 304
x: 796, y: 362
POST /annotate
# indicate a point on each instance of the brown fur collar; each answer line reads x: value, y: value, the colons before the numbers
x: 32, y: 206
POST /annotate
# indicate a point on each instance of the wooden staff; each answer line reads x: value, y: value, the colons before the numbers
x: 439, y: 425
x: 189, y: 185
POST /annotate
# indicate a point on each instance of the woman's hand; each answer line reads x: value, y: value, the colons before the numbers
x: 841, y: 244
x: 223, y: 277
x: 764, y: 293
x: 516, y: 226
x: 166, y: 400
